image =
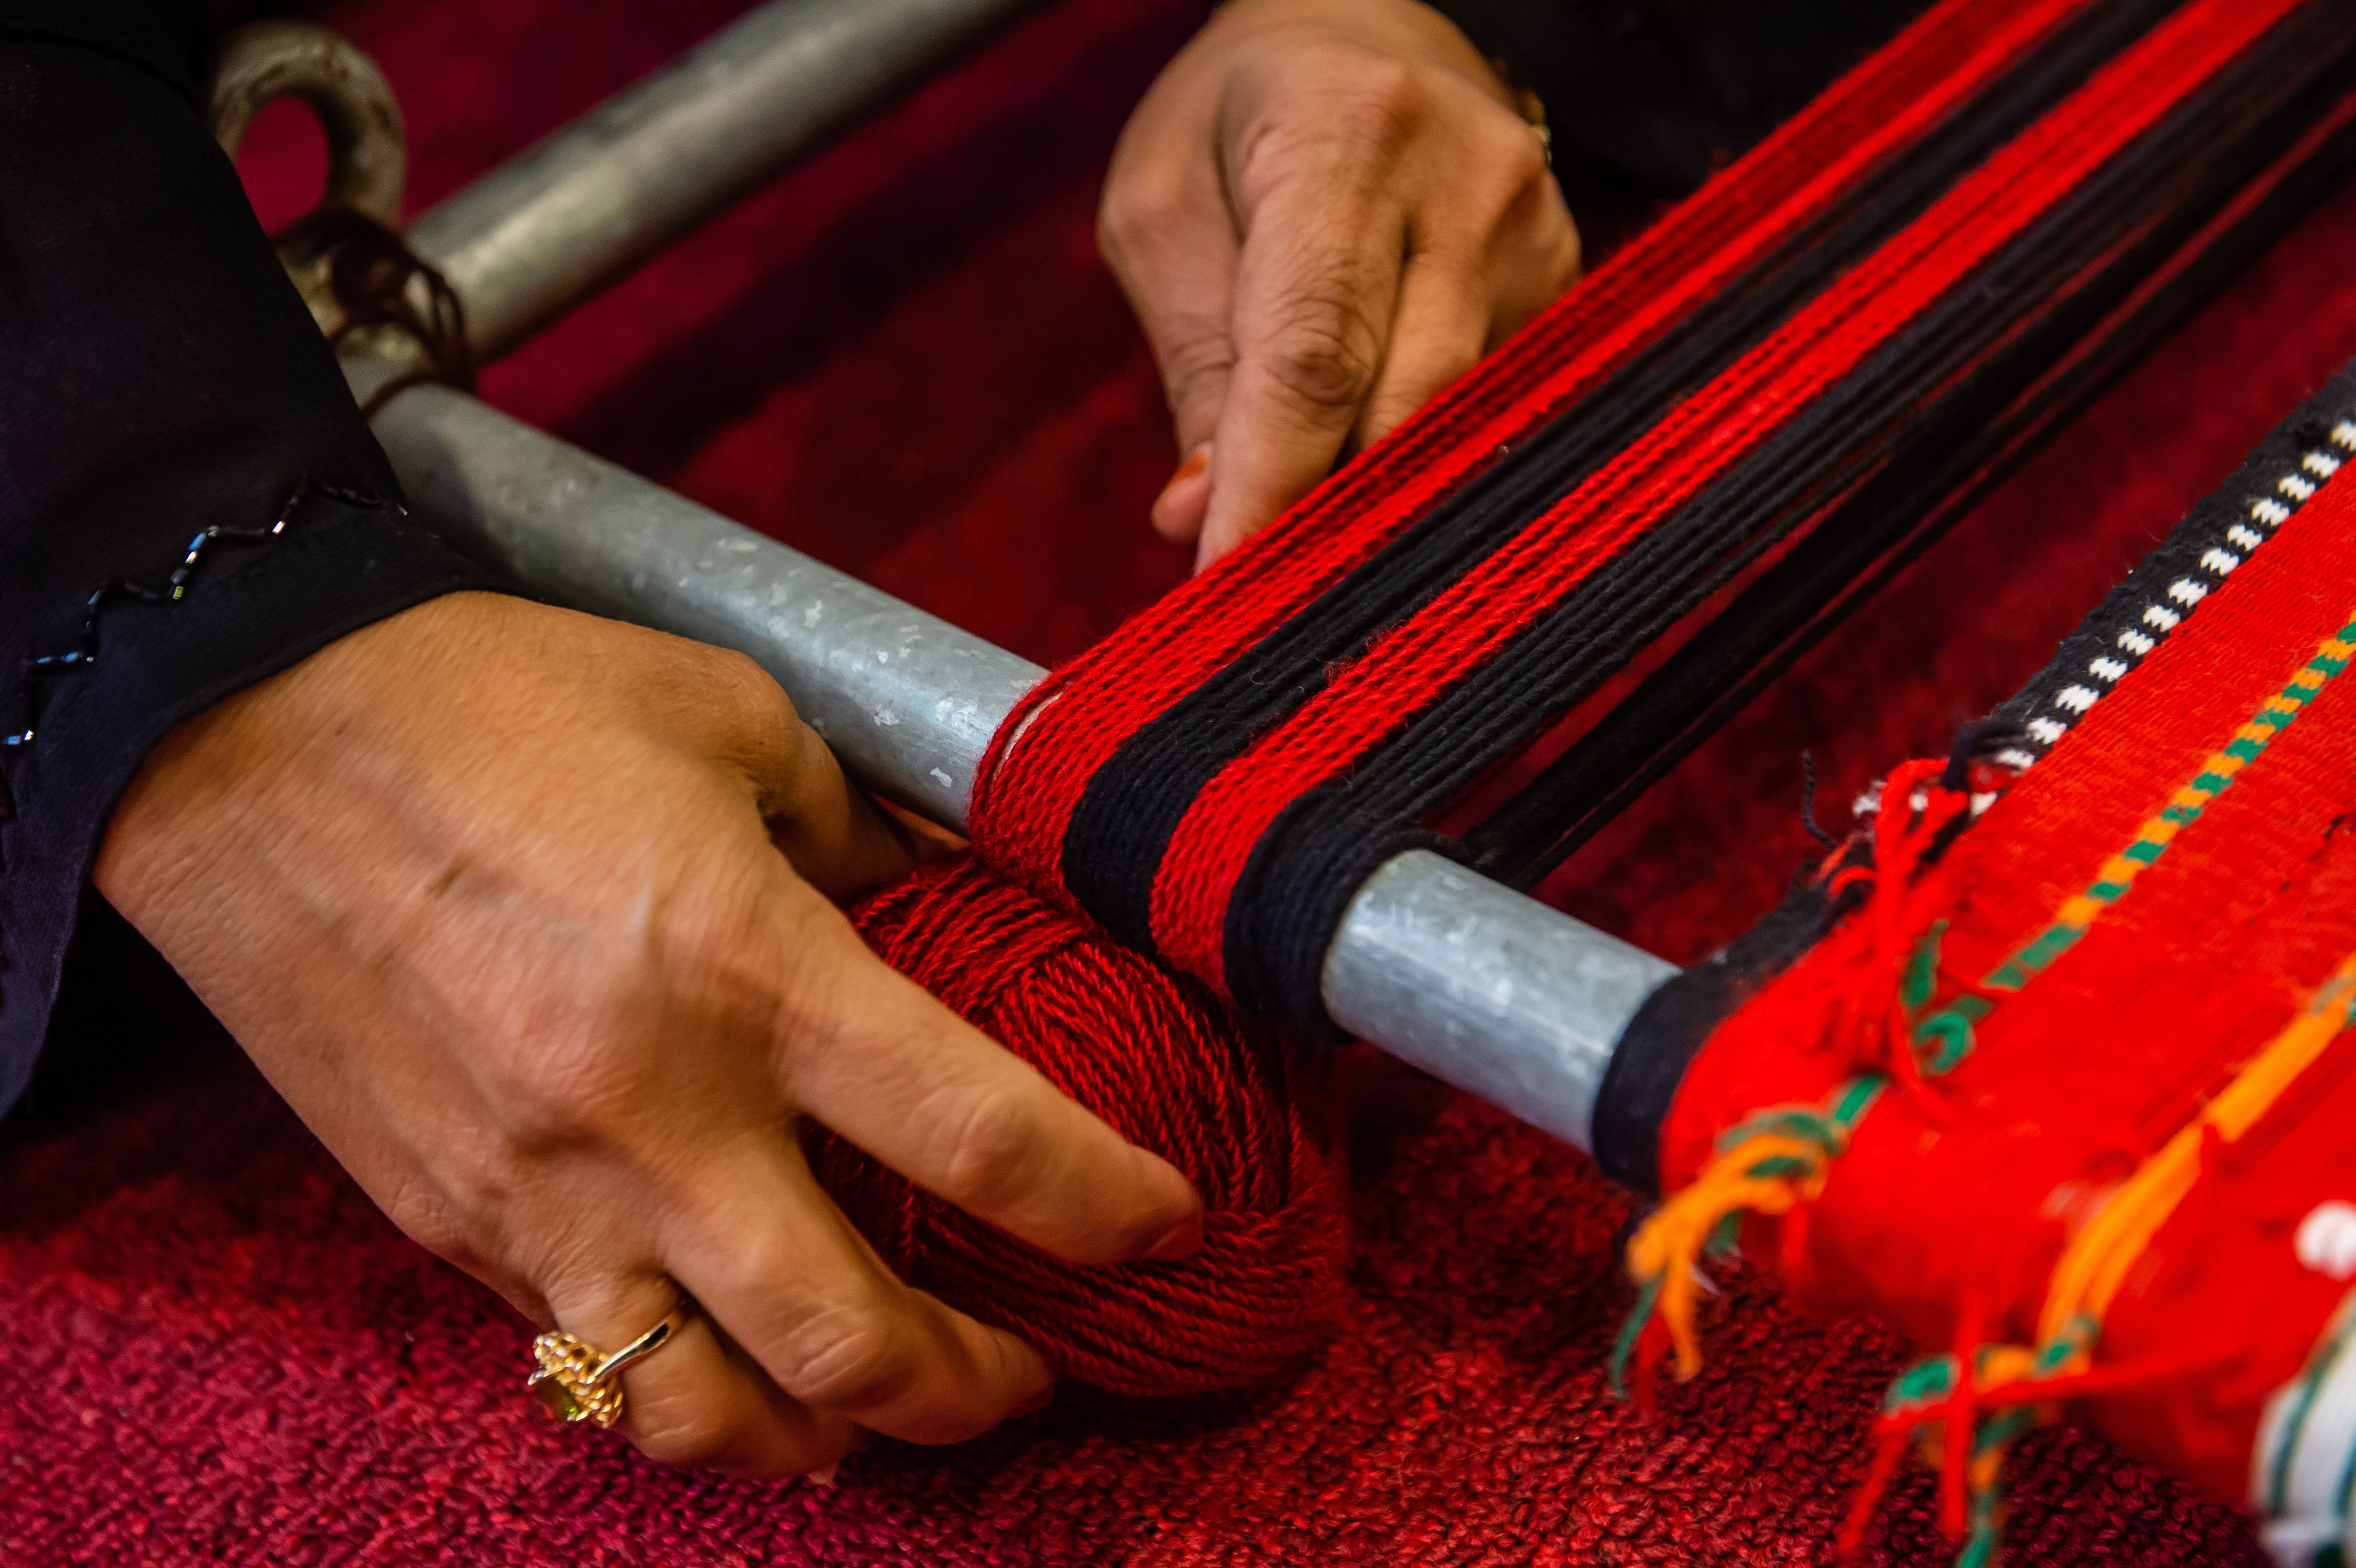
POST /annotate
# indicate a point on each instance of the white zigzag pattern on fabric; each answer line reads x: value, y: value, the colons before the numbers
x: 2074, y: 701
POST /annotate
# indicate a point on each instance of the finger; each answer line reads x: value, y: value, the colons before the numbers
x: 838, y: 838
x: 1442, y: 329
x: 1485, y: 255
x: 1166, y: 230
x: 696, y: 1401
x: 777, y: 1265
x: 844, y: 844
x: 1316, y: 289
x: 1178, y: 511
x: 1538, y: 257
x: 875, y: 1058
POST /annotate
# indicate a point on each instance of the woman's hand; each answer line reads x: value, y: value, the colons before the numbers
x: 526, y: 913
x: 1324, y: 211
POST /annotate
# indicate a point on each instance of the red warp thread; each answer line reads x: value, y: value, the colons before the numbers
x: 1242, y: 1107
x: 1869, y: 1012
x: 1074, y: 721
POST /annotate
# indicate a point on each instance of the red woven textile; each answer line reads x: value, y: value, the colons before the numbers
x: 212, y: 1349
x: 1966, y: 1191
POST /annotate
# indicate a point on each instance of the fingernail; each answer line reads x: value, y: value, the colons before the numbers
x: 1197, y: 460
x: 824, y: 1474
x: 1183, y: 1239
x: 1034, y: 1405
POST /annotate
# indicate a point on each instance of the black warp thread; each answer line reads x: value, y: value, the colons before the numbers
x: 1677, y: 1017
x: 1808, y: 801
x: 1113, y: 846
x: 2204, y: 529
x: 1790, y: 607
x: 1324, y: 844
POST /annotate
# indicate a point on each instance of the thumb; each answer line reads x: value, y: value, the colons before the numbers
x: 829, y: 830
x: 832, y: 832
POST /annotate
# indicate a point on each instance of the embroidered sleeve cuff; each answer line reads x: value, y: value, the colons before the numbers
x: 249, y: 609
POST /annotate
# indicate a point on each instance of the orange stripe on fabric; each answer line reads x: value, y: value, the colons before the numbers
x: 2041, y: 844
x: 2108, y: 1244
x: 2048, y: 839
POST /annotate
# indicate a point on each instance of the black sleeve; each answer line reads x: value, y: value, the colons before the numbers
x: 159, y: 378
x: 1653, y: 95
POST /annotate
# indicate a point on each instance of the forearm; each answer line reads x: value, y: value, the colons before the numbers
x: 164, y: 386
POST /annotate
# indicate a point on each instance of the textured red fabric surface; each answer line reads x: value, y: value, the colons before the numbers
x: 212, y: 1349
x: 1969, y: 1192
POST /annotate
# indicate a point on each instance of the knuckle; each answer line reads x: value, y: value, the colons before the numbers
x: 1351, y: 94
x: 1325, y: 352
x: 747, y: 692
x: 572, y: 1066
x: 429, y: 1218
x: 688, y: 1433
x: 1515, y: 154
x: 847, y: 1354
x: 991, y: 1149
x: 1384, y: 98
x: 1196, y: 364
x: 542, y: 1109
x: 1142, y: 213
x: 1344, y: 116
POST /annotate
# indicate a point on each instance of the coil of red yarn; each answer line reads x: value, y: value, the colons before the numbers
x: 1244, y: 1108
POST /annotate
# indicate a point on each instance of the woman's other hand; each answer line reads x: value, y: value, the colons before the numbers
x: 1323, y: 211
x: 527, y: 914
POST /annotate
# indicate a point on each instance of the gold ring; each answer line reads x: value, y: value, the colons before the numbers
x: 577, y: 1382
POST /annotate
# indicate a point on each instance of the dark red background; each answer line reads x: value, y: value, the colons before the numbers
x: 906, y: 359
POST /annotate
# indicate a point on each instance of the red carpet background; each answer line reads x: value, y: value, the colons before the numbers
x: 907, y: 360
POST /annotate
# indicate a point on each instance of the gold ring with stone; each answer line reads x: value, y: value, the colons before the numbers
x: 577, y: 1382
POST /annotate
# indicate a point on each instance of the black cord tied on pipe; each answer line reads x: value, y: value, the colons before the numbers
x: 377, y: 283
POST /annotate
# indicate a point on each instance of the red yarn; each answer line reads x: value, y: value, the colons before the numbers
x: 1242, y: 1107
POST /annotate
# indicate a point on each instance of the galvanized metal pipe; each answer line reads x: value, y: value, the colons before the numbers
x: 1488, y: 990
x: 1484, y: 987
x: 907, y: 700
x: 566, y: 217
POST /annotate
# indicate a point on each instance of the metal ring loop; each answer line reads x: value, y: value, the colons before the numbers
x: 368, y: 152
